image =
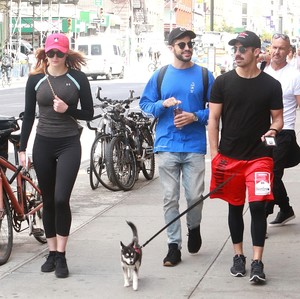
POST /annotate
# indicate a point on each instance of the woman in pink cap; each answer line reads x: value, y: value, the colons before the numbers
x: 56, y: 85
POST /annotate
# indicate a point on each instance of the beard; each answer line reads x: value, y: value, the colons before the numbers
x: 182, y: 58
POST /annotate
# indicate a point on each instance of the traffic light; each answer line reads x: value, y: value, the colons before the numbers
x: 69, y: 24
x: 101, y: 11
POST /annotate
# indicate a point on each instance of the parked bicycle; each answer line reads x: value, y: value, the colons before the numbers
x: 20, y: 202
x: 98, y: 172
x: 131, y: 148
x: 107, y: 127
x: 153, y: 66
x: 142, y: 137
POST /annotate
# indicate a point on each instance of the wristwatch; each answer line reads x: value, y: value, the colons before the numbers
x: 195, y: 117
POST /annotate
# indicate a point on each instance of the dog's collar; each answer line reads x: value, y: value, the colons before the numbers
x: 137, y: 250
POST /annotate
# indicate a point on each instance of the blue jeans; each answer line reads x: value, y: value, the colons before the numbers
x: 192, y: 168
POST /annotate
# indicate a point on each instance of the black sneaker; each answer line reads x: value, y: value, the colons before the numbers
x: 257, y: 274
x: 49, y: 265
x: 173, y: 257
x: 61, y: 270
x: 283, y: 217
x: 239, y: 263
x: 194, y: 240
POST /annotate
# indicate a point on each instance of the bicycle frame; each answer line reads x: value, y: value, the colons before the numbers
x: 17, y: 203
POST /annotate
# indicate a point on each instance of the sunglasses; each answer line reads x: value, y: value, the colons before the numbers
x: 52, y: 53
x: 241, y: 49
x: 281, y: 35
x: 183, y: 44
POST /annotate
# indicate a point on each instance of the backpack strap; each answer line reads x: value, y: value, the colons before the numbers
x: 205, y: 85
x: 263, y: 65
x: 160, y: 78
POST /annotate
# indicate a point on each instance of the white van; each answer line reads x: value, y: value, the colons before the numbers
x: 25, y: 47
x: 104, y: 57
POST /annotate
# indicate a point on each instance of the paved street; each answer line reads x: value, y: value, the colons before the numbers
x: 99, y: 224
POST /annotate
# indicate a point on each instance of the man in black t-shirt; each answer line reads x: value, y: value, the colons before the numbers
x: 249, y: 103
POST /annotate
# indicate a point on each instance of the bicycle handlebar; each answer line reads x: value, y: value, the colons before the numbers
x: 88, y: 123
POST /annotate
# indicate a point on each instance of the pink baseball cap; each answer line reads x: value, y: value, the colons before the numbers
x: 57, y: 41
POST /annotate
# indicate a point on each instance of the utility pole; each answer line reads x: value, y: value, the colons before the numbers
x: 171, y: 15
x: 212, y: 8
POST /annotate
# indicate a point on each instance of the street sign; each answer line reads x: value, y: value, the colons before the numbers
x: 98, y: 2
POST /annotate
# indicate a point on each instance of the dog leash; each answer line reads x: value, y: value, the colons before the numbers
x: 202, y: 198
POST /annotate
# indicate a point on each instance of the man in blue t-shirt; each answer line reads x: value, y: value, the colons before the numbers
x: 180, y: 138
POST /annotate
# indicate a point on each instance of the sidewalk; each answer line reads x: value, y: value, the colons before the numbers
x: 93, y: 254
x: 99, y: 224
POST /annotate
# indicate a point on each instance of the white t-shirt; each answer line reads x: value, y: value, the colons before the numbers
x: 289, y: 78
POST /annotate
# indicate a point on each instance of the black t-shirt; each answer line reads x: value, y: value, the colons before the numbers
x: 246, y: 113
x: 73, y: 88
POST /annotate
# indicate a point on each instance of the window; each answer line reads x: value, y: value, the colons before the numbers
x: 96, y: 50
x: 244, y: 22
x: 244, y: 9
x: 83, y: 49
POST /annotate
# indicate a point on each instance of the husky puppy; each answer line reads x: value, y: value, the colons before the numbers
x: 131, y: 259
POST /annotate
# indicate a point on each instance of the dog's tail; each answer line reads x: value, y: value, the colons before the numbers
x: 134, y: 232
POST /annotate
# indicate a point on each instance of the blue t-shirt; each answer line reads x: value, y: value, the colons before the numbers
x: 185, y: 85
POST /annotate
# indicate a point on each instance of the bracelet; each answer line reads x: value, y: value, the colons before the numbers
x: 272, y: 129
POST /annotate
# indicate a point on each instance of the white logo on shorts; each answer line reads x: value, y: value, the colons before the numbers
x: 262, y: 183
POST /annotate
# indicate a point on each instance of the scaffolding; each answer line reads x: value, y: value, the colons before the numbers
x: 41, y: 13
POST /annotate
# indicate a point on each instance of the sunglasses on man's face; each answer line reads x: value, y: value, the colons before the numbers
x: 183, y: 44
x: 241, y: 49
x: 52, y: 53
x: 281, y: 35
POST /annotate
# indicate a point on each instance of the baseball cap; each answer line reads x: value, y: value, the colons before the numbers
x: 247, y: 39
x: 180, y: 32
x: 57, y: 41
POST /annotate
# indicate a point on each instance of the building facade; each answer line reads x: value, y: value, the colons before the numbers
x: 141, y: 22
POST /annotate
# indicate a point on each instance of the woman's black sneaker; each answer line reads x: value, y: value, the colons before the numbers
x: 239, y: 266
x: 257, y: 274
x: 49, y: 265
x: 61, y: 269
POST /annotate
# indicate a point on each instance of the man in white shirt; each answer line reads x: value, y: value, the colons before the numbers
x: 287, y: 152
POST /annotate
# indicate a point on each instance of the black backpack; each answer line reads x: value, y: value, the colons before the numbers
x: 161, y: 75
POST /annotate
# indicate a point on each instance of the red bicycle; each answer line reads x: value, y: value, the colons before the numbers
x: 20, y: 202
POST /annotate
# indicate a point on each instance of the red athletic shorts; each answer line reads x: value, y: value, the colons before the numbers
x: 238, y: 175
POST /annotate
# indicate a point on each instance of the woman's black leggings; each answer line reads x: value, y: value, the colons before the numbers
x: 258, y: 223
x: 56, y: 162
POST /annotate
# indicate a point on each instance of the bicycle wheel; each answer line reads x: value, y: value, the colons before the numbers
x: 151, y: 67
x: 148, y: 165
x: 33, y: 199
x: 99, y: 172
x: 3, y: 81
x: 6, y: 232
x: 121, y: 163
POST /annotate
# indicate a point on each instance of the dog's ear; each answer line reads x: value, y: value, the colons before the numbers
x: 122, y: 245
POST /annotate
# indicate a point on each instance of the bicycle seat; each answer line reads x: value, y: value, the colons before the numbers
x: 15, y: 139
x: 7, y: 122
